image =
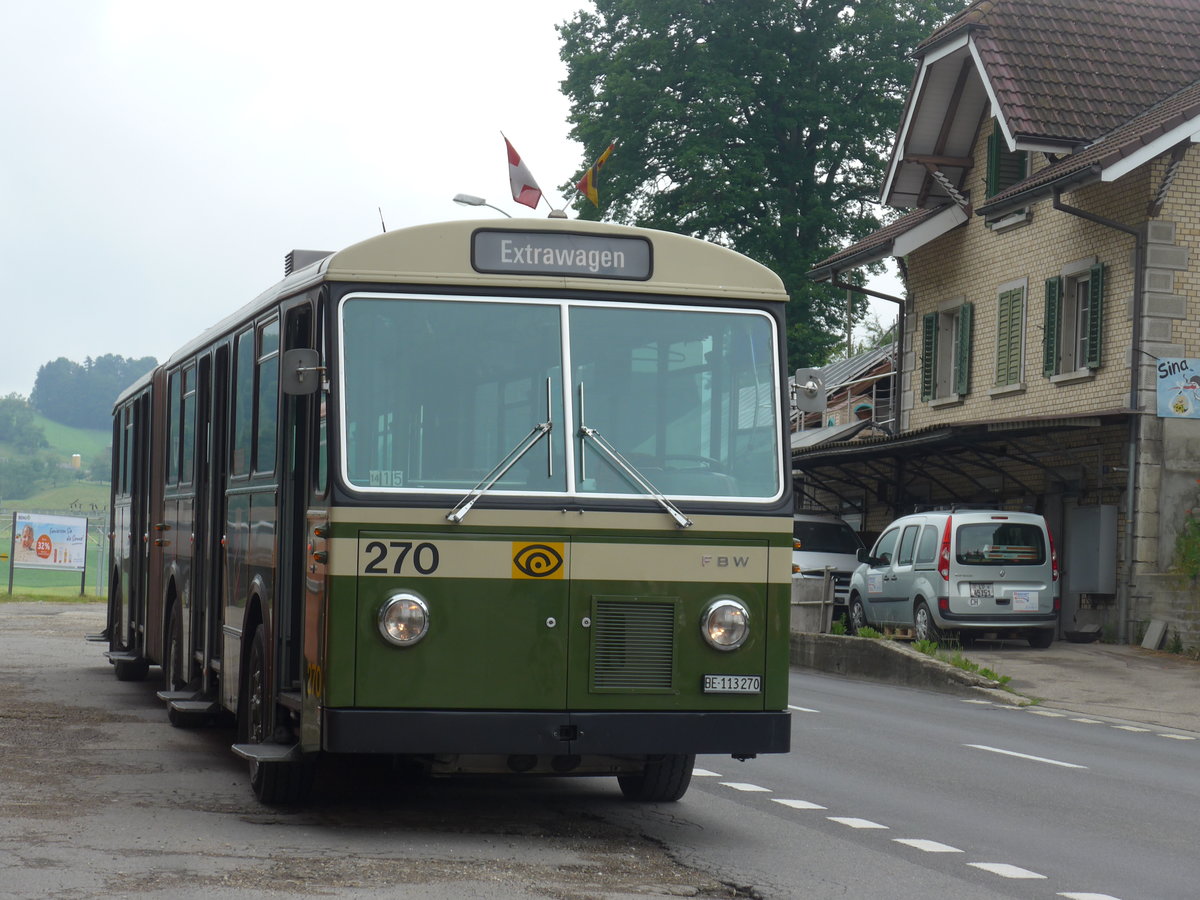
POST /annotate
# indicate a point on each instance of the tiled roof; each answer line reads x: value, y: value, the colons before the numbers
x: 1075, y: 69
x: 1111, y: 148
x: 877, y: 244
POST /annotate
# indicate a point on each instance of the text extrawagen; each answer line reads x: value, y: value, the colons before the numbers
x: 969, y: 572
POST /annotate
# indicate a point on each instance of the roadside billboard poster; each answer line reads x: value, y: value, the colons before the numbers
x: 49, y: 542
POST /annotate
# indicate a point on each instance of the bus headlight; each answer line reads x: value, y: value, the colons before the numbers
x: 403, y: 619
x: 726, y: 623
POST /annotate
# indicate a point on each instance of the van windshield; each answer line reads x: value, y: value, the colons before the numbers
x: 1001, y: 544
x: 825, y: 537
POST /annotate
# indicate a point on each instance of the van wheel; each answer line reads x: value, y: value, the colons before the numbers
x: 1041, y: 639
x: 924, y: 627
x: 858, y: 614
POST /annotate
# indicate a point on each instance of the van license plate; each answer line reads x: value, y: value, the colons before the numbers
x: 982, y: 590
x: 732, y: 684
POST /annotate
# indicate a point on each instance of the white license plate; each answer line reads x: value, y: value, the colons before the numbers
x: 732, y: 684
x: 982, y: 590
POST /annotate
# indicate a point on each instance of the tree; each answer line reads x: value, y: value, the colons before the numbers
x: 763, y: 125
x: 17, y: 426
x: 83, y: 395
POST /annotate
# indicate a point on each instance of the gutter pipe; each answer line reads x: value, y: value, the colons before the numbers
x: 1139, y: 264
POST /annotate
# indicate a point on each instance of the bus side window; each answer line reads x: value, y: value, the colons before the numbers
x: 243, y: 410
x: 267, y: 432
x: 173, y: 429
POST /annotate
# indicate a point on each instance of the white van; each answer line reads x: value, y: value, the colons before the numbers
x: 820, y: 542
x: 960, y: 571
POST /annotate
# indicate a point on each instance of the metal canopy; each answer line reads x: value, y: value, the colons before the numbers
x: 982, y: 462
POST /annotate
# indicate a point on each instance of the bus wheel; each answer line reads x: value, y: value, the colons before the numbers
x: 131, y: 669
x: 274, y: 783
x: 664, y: 779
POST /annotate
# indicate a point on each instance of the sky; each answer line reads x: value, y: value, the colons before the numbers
x: 159, y: 159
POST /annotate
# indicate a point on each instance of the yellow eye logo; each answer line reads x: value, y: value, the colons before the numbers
x: 537, y: 561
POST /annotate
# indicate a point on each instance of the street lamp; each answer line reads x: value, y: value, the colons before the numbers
x: 471, y: 200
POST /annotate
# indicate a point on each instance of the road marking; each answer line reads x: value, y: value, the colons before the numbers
x: 704, y: 773
x: 979, y: 702
x: 856, y: 823
x: 802, y: 708
x: 1133, y: 728
x: 1004, y: 870
x: 1072, y: 896
x: 1088, y: 721
x: 1053, y: 762
x: 1049, y: 714
x: 798, y: 804
x: 927, y: 846
x: 1178, y: 737
x: 742, y: 786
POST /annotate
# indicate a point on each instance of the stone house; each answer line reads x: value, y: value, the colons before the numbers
x: 1047, y: 172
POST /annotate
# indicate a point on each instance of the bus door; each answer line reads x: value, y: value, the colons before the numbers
x: 296, y: 424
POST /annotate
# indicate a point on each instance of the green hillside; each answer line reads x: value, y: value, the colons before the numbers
x: 90, y: 443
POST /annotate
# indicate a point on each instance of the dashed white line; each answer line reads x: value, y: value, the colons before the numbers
x: 705, y: 773
x: 1048, y: 713
x: 856, y: 823
x: 1042, y: 759
x: 1088, y: 721
x: 927, y: 846
x: 1073, y: 896
x: 802, y: 708
x: 1004, y: 870
x: 797, y: 804
x: 743, y: 786
x: 1178, y: 737
x: 1133, y: 728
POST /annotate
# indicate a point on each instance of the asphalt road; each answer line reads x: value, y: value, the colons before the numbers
x: 889, y: 792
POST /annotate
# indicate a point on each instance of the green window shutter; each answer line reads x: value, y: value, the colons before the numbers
x: 1095, y: 335
x: 1004, y: 167
x: 1053, y: 322
x: 962, y: 352
x: 929, y: 336
x: 1008, y: 341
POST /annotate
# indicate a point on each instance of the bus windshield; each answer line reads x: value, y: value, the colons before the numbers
x: 436, y: 391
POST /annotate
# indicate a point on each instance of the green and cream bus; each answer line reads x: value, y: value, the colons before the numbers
x: 490, y: 497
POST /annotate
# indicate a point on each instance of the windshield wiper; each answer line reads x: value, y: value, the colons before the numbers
x: 523, y: 446
x: 638, y: 478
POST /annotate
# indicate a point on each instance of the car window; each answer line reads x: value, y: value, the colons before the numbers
x: 907, y: 541
x: 886, y: 546
x: 825, y: 537
x: 1000, y: 544
x: 927, y: 547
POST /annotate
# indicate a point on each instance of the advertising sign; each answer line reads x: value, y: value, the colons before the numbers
x: 49, y: 542
x: 1178, y: 388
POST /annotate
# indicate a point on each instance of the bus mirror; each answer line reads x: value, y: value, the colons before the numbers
x: 302, y: 371
x: 809, y: 391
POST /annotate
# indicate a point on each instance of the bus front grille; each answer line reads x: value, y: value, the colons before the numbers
x: 633, y: 644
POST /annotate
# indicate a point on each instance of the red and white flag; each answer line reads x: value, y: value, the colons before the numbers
x: 524, y: 188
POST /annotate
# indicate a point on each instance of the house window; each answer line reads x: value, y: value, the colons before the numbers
x: 1004, y: 167
x: 1010, y: 334
x: 1074, y: 319
x: 946, y: 353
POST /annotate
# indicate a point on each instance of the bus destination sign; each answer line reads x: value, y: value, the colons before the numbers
x: 560, y: 253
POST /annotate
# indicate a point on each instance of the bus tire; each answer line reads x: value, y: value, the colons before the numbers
x: 131, y: 669
x: 274, y: 783
x: 665, y: 779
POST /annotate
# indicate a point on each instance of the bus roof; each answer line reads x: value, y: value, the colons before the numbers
x: 440, y: 254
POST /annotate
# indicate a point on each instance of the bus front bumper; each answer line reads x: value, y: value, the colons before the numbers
x: 578, y: 733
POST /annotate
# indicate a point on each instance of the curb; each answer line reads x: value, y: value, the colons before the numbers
x: 875, y: 659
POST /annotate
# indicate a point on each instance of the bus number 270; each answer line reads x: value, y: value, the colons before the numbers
x: 423, y: 557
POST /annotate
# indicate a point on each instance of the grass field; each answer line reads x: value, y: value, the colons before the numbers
x: 80, y: 499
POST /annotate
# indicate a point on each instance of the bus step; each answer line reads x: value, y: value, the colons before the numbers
x: 101, y: 638
x: 268, y: 753
x: 291, y: 699
x: 172, y: 696
x: 122, y: 656
x: 194, y: 707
